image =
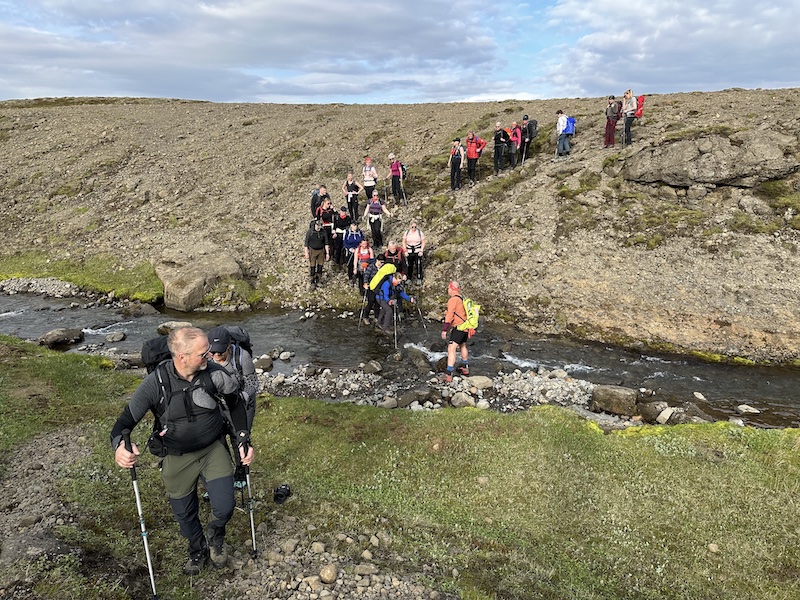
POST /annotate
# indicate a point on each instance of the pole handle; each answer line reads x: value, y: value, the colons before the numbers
x: 126, y: 439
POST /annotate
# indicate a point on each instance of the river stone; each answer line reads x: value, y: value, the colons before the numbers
x: 117, y: 336
x: 192, y: 268
x: 461, y: 399
x: 138, y: 309
x: 420, y: 395
x: 480, y: 382
x: 614, y: 399
x: 372, y: 367
x: 650, y: 410
x: 746, y: 409
x: 264, y: 363
x: 388, y: 403
x: 165, y: 328
x: 62, y: 335
x: 665, y: 415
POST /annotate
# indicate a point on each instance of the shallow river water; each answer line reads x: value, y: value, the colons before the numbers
x: 332, y: 339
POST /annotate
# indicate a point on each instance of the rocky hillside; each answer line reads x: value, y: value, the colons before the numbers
x: 687, y: 239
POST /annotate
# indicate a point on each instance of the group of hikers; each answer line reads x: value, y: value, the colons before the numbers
x: 202, y: 392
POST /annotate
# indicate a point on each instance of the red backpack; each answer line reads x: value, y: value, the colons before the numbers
x: 639, y: 107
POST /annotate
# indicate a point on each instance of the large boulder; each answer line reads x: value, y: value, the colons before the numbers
x: 746, y: 158
x: 614, y: 399
x: 188, y: 271
x: 61, y: 336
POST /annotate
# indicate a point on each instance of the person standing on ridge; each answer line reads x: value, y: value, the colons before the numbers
x: 629, y: 110
x: 516, y: 142
x: 501, y: 139
x: 530, y: 129
x: 341, y: 223
x: 191, y: 443
x: 612, y: 116
x: 396, y: 172
x: 562, y: 145
x: 455, y: 161
x: 475, y: 146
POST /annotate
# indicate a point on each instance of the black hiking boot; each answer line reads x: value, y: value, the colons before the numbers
x: 196, y: 563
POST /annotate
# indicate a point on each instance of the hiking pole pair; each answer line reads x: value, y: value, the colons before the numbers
x: 126, y: 437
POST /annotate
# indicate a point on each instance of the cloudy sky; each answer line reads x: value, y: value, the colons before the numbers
x: 404, y: 51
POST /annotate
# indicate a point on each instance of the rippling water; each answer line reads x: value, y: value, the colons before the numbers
x: 333, y: 339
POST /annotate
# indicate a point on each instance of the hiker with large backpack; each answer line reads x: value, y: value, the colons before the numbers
x: 562, y: 131
x: 501, y: 139
x: 475, y: 146
x: 613, y: 112
x: 458, y: 327
x: 388, y: 293
x: 235, y: 356
x: 195, y: 404
x: 371, y: 280
x: 530, y: 129
x: 629, y: 111
x: 317, y: 197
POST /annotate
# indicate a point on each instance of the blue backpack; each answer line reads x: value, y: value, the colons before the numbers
x: 570, y: 128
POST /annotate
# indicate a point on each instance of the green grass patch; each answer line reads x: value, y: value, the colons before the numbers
x: 99, y: 273
x: 437, y: 206
x: 496, y: 189
x: 41, y: 389
x: 650, y: 225
x: 539, y: 504
x: 746, y: 223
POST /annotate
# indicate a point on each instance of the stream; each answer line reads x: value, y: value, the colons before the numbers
x: 333, y: 339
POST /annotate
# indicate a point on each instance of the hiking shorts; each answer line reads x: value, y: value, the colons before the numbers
x: 458, y: 337
x: 180, y: 473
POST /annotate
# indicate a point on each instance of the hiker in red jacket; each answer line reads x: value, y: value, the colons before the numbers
x: 475, y: 146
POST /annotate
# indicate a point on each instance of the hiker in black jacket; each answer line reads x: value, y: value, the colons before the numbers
x: 530, y: 129
x: 317, y: 251
x: 191, y: 443
x: 501, y: 141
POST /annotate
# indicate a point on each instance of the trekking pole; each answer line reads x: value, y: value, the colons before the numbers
x: 385, y: 197
x: 394, y: 312
x: 363, y: 304
x: 250, y: 501
x: 126, y: 437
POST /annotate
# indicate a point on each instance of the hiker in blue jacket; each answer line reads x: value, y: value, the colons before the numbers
x: 385, y: 294
x: 352, y: 239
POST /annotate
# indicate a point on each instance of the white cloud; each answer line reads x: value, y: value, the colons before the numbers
x: 436, y: 50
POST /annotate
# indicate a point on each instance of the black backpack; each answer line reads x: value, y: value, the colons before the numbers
x: 154, y: 352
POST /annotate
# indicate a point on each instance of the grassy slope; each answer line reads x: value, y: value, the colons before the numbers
x: 533, y: 505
